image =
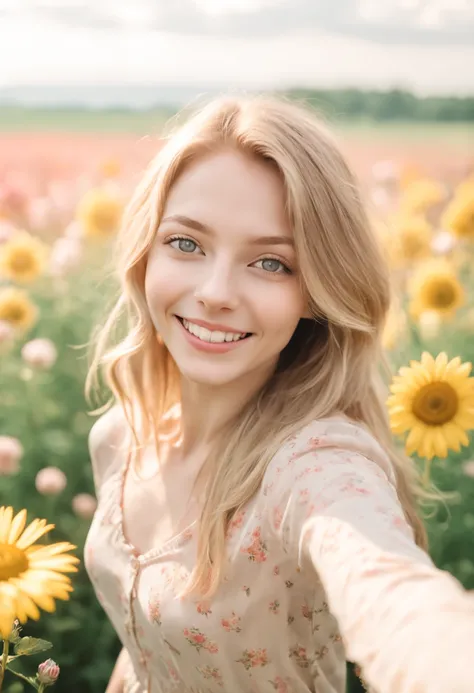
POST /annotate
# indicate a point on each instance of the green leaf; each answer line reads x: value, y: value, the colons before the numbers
x: 30, y: 646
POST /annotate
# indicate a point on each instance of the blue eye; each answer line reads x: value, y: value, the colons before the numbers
x: 186, y: 245
x: 274, y: 266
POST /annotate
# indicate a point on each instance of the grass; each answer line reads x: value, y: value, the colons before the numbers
x: 16, y: 119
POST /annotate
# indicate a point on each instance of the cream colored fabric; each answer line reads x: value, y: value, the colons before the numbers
x: 321, y: 566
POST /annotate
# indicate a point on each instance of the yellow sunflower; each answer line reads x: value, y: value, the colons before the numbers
x: 411, y: 239
x: 420, y: 195
x: 434, y: 286
x: 22, y: 258
x: 433, y: 400
x: 100, y: 213
x: 16, y: 308
x: 458, y: 217
x: 31, y: 575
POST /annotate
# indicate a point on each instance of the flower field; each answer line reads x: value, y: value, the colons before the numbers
x: 61, y: 201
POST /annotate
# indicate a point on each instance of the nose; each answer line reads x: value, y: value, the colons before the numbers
x: 217, y: 288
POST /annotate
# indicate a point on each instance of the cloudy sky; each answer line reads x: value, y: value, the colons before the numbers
x: 426, y: 45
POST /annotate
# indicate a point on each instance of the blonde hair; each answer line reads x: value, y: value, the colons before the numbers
x: 332, y: 364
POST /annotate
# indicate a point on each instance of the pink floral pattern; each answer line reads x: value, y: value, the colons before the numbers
x: 231, y: 624
x: 213, y: 673
x: 254, y: 658
x: 197, y: 639
x: 257, y: 549
x: 154, y: 609
x: 325, y: 528
x: 274, y: 606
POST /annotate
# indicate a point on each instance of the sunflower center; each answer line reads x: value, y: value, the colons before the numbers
x: 13, y: 312
x: 435, y: 404
x: 22, y: 261
x: 413, y: 245
x: 443, y: 295
x: 13, y: 562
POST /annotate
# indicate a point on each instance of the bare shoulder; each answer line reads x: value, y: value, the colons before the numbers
x: 106, y: 439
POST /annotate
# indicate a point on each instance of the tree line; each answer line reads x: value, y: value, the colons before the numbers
x: 395, y: 104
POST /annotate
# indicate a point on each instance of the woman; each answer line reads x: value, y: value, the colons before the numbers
x: 256, y: 526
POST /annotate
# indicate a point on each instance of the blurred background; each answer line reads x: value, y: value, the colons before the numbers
x: 86, y: 89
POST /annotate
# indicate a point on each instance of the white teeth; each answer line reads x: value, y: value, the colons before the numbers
x: 215, y: 337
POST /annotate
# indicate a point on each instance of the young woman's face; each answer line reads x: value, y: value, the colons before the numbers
x: 221, y: 281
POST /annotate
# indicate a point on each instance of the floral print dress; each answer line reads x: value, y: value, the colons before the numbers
x: 321, y: 567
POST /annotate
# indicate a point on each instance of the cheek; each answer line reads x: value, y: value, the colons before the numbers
x: 280, y: 307
x: 162, y: 282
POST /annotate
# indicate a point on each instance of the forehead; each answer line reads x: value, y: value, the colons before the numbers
x: 233, y: 189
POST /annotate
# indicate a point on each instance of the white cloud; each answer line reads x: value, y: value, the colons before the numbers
x: 433, y: 22
x: 110, y: 41
x: 39, y: 52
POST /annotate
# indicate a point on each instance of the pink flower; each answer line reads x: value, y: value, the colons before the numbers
x: 11, y: 452
x: 13, y: 199
x: 84, y: 505
x: 39, y: 353
x: 6, y: 332
x: 50, y: 481
x: 48, y: 672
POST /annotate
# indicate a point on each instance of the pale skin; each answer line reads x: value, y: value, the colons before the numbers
x: 236, y: 268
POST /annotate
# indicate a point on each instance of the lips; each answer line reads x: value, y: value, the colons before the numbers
x: 214, y: 328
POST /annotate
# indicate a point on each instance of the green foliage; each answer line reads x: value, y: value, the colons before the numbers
x: 47, y: 411
x: 393, y: 105
x: 339, y: 105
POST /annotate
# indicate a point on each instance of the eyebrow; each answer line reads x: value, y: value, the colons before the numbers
x: 204, y: 228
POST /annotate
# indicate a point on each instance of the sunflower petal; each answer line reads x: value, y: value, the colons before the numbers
x: 39, y: 551
x: 17, y: 527
x: 5, y: 523
x: 33, y: 532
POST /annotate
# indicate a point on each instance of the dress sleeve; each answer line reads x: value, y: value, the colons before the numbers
x: 408, y: 625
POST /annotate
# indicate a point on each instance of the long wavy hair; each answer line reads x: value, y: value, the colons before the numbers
x: 334, y: 363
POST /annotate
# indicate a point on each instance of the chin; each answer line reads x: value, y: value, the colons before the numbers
x: 208, y: 377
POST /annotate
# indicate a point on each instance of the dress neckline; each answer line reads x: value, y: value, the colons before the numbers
x: 173, y: 542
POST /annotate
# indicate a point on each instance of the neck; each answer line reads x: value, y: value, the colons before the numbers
x: 205, y: 409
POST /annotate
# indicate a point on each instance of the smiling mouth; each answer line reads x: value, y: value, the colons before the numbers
x: 214, y: 336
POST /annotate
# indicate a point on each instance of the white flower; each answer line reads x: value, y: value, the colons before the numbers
x: 84, y: 505
x: 443, y: 242
x: 66, y: 254
x: 39, y: 353
x: 50, y: 481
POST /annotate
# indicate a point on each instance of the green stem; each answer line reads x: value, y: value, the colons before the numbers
x: 3, y: 665
x: 41, y: 688
x: 25, y: 678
